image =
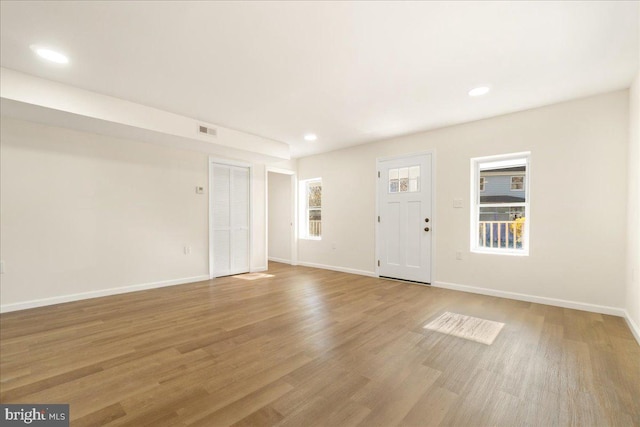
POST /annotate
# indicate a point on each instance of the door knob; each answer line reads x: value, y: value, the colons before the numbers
x: 426, y: 229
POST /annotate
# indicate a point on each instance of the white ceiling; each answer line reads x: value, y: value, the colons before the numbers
x: 352, y: 72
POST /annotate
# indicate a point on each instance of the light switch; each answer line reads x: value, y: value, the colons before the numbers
x: 457, y: 203
x: 199, y: 190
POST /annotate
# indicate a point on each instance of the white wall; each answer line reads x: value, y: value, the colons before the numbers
x: 287, y: 165
x: 89, y: 214
x: 279, y: 194
x: 633, y: 210
x: 258, y: 219
x: 40, y: 100
x: 578, y: 201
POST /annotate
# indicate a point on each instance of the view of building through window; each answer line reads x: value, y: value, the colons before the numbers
x: 314, y: 208
x: 501, y: 205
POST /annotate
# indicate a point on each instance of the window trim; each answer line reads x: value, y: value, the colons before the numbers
x: 497, y: 161
x: 303, y: 232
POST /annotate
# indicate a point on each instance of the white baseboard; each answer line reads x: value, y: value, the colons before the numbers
x: 340, y: 269
x: 258, y: 269
x: 614, y: 311
x: 96, y: 294
x: 282, y: 260
x: 633, y: 326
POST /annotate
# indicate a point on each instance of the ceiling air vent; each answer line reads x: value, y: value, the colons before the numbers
x: 207, y: 131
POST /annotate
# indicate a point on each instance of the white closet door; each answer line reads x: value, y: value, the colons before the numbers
x: 239, y: 220
x: 230, y: 219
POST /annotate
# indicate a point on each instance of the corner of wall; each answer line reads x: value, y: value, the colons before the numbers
x: 632, y: 298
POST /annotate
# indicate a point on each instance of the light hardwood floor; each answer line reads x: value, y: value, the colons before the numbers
x: 314, y: 347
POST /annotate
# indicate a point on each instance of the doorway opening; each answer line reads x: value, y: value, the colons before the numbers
x: 281, y: 216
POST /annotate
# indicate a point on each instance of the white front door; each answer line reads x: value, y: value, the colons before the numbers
x: 229, y: 219
x: 405, y: 221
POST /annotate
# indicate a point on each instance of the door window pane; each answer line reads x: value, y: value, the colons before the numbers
x: 404, y: 180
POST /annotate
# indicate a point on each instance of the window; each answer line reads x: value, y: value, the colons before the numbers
x: 500, y: 216
x: 404, y: 180
x: 517, y: 183
x: 311, y: 209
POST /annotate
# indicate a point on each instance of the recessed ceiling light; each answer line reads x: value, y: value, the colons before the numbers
x: 310, y: 137
x: 50, y: 55
x: 479, y: 91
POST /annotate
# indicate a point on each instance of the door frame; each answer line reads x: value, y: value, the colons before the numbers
x: 294, y: 212
x: 434, y: 222
x: 226, y: 162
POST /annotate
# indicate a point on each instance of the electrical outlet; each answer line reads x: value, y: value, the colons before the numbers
x: 333, y: 246
x: 199, y: 190
x: 459, y: 255
x: 187, y: 250
x: 457, y: 203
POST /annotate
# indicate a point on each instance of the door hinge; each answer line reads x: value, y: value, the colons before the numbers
x: 378, y: 263
x: 378, y: 218
x: 378, y: 174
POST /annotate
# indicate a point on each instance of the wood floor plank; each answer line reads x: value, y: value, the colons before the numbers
x: 311, y: 407
x: 236, y: 411
x: 265, y: 416
x: 431, y: 409
x: 392, y: 405
x: 101, y: 417
x: 317, y: 348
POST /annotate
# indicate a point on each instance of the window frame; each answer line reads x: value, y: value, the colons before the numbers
x: 499, y: 161
x: 303, y: 232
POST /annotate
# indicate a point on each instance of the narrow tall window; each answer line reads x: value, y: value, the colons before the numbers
x: 311, y: 209
x: 500, y: 215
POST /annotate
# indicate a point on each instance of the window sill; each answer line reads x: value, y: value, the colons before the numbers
x: 522, y: 252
